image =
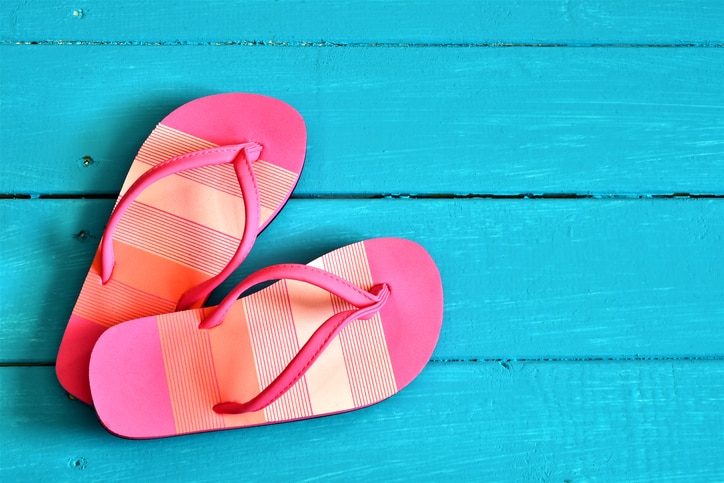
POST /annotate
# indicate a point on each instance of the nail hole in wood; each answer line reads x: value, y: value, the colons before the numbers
x: 84, y: 235
x: 86, y: 161
x: 78, y: 463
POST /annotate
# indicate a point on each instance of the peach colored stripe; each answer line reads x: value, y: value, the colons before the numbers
x: 235, y: 366
x: 327, y: 378
x: 176, y: 238
x: 275, y: 183
x: 363, y: 342
x: 166, y: 142
x: 350, y: 263
x: 221, y: 177
x: 189, y: 371
x: 368, y: 361
x: 115, y: 302
x: 275, y: 343
x: 196, y: 202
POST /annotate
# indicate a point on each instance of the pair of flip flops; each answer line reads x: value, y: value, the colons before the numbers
x: 349, y: 329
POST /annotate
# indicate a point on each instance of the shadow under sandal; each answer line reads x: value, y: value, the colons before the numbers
x: 208, y: 179
x: 346, y: 331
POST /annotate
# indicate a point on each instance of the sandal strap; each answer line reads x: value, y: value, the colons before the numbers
x: 241, y: 156
x: 367, y: 302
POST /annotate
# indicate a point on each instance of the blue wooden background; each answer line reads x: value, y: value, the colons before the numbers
x: 562, y: 160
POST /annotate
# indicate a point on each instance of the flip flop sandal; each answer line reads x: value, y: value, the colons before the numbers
x: 208, y: 179
x: 346, y: 331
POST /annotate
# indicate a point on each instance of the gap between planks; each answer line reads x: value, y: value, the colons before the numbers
x: 428, y: 196
x: 365, y: 45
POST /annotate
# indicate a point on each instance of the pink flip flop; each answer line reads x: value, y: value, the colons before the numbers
x: 208, y: 179
x: 346, y: 331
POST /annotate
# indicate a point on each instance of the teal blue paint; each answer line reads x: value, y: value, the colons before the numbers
x: 332, y: 22
x: 387, y: 120
x: 539, y: 421
x: 47, y: 248
x: 614, y: 302
x: 529, y: 279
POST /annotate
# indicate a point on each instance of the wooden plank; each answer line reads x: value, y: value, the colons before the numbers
x: 45, y: 250
x: 455, y: 21
x: 385, y: 120
x: 523, y: 279
x: 585, y: 421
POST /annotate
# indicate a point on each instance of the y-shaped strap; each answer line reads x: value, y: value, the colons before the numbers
x: 367, y: 303
x: 241, y: 155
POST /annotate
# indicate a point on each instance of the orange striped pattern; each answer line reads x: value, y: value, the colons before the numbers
x: 101, y: 304
x: 172, y: 237
x: 176, y: 238
x: 221, y: 177
x: 368, y: 362
x: 275, y: 343
x: 350, y: 263
x: 274, y: 183
x: 166, y: 142
x: 358, y: 372
x: 363, y: 341
x: 190, y: 372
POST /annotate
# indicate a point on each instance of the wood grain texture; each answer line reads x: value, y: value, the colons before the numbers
x: 386, y: 120
x: 458, y: 422
x: 333, y: 22
x: 523, y: 278
x: 582, y: 338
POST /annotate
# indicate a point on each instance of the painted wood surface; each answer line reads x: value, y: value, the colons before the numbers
x: 329, y: 22
x: 562, y: 160
x: 533, y: 421
x: 388, y: 120
x: 523, y: 279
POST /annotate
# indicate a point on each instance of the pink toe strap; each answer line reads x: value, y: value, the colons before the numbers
x: 367, y: 302
x: 241, y: 156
